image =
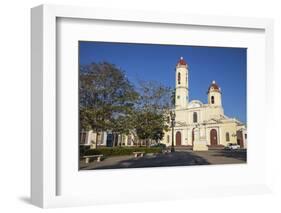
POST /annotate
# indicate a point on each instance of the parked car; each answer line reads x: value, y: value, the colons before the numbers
x: 232, y: 146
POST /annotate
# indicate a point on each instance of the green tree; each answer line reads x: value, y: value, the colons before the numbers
x: 122, y: 125
x: 105, y: 95
x: 151, y: 111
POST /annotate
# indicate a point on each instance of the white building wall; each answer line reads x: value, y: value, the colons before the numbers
x: 245, y: 138
x: 104, y: 138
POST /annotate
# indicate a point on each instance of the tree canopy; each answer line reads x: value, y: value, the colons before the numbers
x: 151, y: 111
x: 109, y: 102
x: 105, y: 94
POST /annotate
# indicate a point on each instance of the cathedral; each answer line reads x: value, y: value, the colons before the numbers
x: 202, y: 126
x: 198, y: 126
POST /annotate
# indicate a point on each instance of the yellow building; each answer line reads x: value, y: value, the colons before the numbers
x: 202, y: 126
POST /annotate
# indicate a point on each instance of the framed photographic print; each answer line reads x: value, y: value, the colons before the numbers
x: 148, y: 105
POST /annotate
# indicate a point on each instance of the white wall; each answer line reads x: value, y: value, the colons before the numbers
x: 15, y: 103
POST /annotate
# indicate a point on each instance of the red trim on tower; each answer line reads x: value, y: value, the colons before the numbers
x: 182, y: 61
x: 214, y: 86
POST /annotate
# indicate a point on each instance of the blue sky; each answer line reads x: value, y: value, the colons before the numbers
x: 227, y: 66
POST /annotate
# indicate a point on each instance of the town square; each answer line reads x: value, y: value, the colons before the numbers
x: 130, y: 119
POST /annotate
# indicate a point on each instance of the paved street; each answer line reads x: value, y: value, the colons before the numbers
x: 179, y: 158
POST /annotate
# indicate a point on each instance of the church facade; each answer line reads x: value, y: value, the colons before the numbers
x: 202, y: 126
x: 198, y: 126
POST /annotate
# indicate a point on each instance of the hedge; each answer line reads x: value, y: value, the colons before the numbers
x: 118, y: 151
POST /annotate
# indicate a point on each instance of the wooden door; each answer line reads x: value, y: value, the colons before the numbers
x: 214, y: 137
x: 178, y: 139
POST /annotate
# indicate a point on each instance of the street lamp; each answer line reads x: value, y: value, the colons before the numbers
x: 173, y: 116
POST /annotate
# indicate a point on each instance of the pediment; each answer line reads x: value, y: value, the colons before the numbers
x: 213, y: 121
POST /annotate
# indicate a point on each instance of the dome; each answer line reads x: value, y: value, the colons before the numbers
x: 182, y: 61
x: 195, y: 104
x: 214, y: 87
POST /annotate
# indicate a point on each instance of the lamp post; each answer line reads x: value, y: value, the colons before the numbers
x: 173, y: 116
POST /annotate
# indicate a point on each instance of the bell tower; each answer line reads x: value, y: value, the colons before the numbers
x: 214, y: 94
x: 181, y: 95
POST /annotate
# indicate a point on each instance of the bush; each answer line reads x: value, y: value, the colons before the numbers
x: 161, y: 145
x: 83, y: 149
x: 118, y: 151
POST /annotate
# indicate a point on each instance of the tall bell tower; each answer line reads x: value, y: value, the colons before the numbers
x: 181, y: 96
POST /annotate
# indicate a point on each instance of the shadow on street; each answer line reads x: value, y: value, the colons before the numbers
x: 158, y: 160
x: 236, y: 154
x: 178, y: 158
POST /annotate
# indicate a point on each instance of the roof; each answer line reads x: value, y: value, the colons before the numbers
x: 181, y: 61
x: 215, y: 87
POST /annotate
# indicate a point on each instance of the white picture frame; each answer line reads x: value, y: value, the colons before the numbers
x: 44, y: 153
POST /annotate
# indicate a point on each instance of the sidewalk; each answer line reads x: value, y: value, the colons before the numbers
x: 180, y: 158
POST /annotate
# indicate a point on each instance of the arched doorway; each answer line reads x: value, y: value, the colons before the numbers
x: 214, y: 137
x: 178, y: 139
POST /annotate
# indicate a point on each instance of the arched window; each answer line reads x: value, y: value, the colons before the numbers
x: 195, y: 117
x: 179, y: 78
x: 227, y: 136
x: 212, y: 99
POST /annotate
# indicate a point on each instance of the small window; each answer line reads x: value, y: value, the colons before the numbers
x: 179, y: 78
x: 227, y: 136
x: 195, y: 117
x: 178, y: 97
x: 168, y: 139
x: 245, y: 136
x: 212, y: 99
